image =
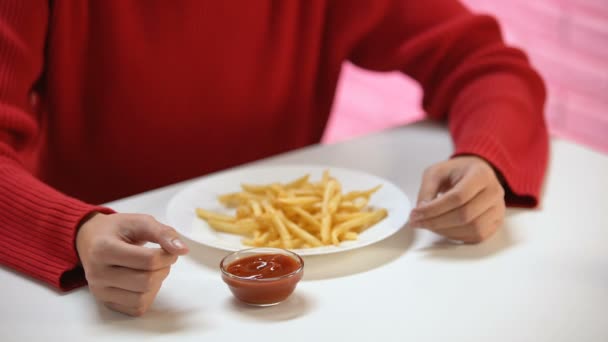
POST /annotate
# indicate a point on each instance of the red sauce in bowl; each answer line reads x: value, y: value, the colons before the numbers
x: 263, y: 266
x: 263, y: 279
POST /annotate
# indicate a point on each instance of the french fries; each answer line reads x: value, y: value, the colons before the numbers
x: 294, y: 215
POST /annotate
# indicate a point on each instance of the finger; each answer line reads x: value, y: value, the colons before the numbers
x: 119, y: 253
x: 479, y: 230
x: 146, y: 228
x: 432, y: 181
x: 138, y: 301
x: 133, y: 280
x: 125, y: 309
x: 464, y: 214
x: 462, y: 192
x: 467, y: 236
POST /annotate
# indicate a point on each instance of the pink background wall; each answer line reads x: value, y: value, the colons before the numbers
x: 567, y: 40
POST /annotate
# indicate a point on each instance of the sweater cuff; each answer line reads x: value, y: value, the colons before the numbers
x: 522, y: 186
x: 39, y: 226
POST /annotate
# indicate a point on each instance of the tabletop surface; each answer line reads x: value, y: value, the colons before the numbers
x: 543, y: 277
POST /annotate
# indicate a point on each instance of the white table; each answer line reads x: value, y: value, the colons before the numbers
x: 544, y: 277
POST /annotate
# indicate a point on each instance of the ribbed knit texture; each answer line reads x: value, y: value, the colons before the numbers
x: 517, y: 151
x: 38, y: 228
x: 134, y: 95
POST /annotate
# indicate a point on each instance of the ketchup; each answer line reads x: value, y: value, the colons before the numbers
x: 263, y: 279
x: 263, y: 266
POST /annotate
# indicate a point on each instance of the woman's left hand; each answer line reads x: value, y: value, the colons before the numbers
x: 461, y: 199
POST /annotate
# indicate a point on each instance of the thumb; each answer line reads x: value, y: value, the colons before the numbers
x: 146, y: 228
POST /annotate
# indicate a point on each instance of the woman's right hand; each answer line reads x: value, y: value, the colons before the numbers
x: 122, y: 273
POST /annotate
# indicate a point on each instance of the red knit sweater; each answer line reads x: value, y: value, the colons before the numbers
x: 134, y: 95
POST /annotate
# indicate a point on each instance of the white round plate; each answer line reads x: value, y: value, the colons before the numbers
x: 203, y: 194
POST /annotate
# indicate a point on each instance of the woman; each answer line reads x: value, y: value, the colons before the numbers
x: 103, y: 99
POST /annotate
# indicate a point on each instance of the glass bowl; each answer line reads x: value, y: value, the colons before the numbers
x: 262, y: 276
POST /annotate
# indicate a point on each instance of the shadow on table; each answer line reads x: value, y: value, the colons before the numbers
x: 361, y: 260
x: 328, y: 266
x: 295, y: 306
x: 160, y: 319
x: 447, y: 249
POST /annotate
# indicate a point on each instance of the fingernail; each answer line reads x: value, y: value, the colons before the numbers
x: 177, y: 243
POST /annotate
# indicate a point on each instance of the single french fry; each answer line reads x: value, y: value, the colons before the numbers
x: 254, y: 189
x: 249, y: 242
x: 248, y: 224
x: 297, y: 200
x: 325, y: 178
x: 229, y: 200
x: 326, y: 228
x: 334, y: 202
x: 232, y: 200
x: 365, y: 193
x: 347, y: 206
x: 345, y: 216
x: 229, y: 227
x: 327, y: 194
x: 304, y: 192
x: 350, y: 236
x: 210, y: 215
x: 312, y: 208
x: 297, y: 183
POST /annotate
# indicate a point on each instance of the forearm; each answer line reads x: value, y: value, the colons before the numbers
x: 488, y: 92
x: 38, y: 228
x: 506, y: 127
